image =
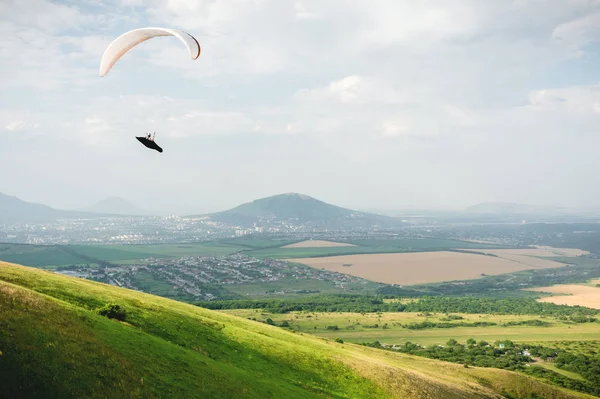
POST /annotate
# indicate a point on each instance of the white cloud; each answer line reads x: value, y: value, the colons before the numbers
x: 394, y: 128
x: 451, y: 91
x: 578, y: 32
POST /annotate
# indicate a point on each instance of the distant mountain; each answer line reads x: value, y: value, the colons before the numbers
x: 13, y: 209
x: 115, y: 206
x: 509, y: 208
x: 299, y: 209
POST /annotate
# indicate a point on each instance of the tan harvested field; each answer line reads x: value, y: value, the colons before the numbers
x: 318, y: 244
x: 428, y: 267
x: 572, y: 294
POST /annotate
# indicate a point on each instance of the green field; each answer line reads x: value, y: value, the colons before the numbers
x: 36, y: 255
x: 551, y: 366
x: 357, y: 327
x: 53, y: 343
x: 178, y: 250
x: 371, y: 247
x: 60, y: 255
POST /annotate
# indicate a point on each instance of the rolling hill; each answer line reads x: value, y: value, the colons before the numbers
x: 58, y: 338
x: 299, y: 209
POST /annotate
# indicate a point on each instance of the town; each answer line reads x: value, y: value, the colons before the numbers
x: 195, y: 278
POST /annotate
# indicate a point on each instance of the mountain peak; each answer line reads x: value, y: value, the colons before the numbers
x: 15, y: 209
x: 297, y: 209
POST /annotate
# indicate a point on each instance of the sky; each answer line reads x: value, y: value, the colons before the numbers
x: 385, y: 104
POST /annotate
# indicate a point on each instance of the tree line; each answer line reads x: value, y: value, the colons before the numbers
x: 370, y: 304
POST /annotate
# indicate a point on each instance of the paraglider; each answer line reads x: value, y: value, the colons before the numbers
x: 149, y: 142
x: 129, y: 40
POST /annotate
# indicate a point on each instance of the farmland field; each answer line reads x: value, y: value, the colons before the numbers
x: 427, y: 267
x: 178, y: 250
x: 357, y: 327
x: 318, y: 244
x: 371, y: 246
x: 540, y: 257
x: 573, y: 294
x: 59, y: 255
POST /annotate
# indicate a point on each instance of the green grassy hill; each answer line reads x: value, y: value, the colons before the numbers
x: 53, y: 343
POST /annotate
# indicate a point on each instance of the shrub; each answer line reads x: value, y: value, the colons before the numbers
x: 113, y: 311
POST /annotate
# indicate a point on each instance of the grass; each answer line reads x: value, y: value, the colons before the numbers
x: 60, y: 255
x: 54, y: 344
x: 551, y: 366
x: 180, y: 250
x: 356, y: 327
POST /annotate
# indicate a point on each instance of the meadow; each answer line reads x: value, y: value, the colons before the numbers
x: 390, y: 328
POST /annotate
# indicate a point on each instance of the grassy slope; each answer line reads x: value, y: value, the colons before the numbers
x: 53, y: 344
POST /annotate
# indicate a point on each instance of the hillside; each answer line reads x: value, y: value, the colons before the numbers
x: 54, y: 344
x: 15, y: 209
x: 115, y: 206
x: 299, y: 209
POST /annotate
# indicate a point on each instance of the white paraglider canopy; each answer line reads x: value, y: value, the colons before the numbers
x: 128, y: 40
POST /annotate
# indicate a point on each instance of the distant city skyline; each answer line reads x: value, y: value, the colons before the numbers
x: 380, y: 105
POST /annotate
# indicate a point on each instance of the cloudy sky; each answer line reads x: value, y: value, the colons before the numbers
x: 373, y: 104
